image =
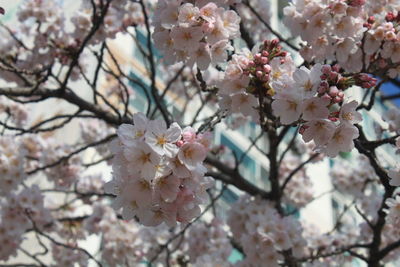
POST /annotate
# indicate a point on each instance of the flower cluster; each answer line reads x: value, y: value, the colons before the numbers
x: 120, y: 15
x: 332, y: 30
x: 194, y: 33
x: 233, y: 87
x: 314, y: 97
x: 94, y: 131
x: 356, y: 34
x: 63, y: 256
x: 208, y: 239
x: 263, y: 233
x: 352, y: 178
x: 18, y: 112
x: 12, y: 163
x: 390, y: 231
x: 319, y: 242
x: 18, y: 212
x: 121, y: 242
x: 250, y: 21
x: 328, y: 120
x: 158, y: 172
x: 44, y: 35
x: 63, y: 175
x: 382, y: 43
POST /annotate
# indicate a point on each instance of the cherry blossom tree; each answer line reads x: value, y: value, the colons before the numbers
x: 90, y: 178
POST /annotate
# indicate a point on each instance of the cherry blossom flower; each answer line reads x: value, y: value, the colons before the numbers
x: 162, y: 139
x: 308, y: 80
x: 187, y: 38
x: 144, y: 157
x: 315, y: 108
x: 288, y: 109
x: 191, y: 154
x: 342, y: 140
x: 348, y: 113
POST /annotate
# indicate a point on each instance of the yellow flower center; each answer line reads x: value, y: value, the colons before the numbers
x: 161, y: 140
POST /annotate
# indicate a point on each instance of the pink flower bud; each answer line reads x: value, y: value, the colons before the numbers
x: 265, y: 53
x: 259, y: 74
x: 390, y: 16
x: 333, y: 76
x: 333, y: 91
x: 357, y: 3
x: 283, y: 54
x: 371, y: 19
x: 336, y: 68
x: 337, y: 99
x: 274, y: 42
x: 267, y: 68
x: 264, y: 60
x: 326, y: 69
x: 321, y: 89
x: 326, y: 97
x: 333, y: 119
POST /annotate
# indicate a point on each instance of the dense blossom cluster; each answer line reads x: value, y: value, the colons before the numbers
x: 209, y: 244
x: 63, y: 256
x: 12, y: 164
x: 354, y: 184
x: 63, y: 175
x: 54, y: 193
x: 357, y: 34
x: 314, y: 97
x: 18, y: 212
x: 45, y: 30
x: 158, y: 173
x: 371, y: 203
x: 18, y: 113
x: 94, y: 131
x: 194, y: 33
x: 319, y: 242
x: 263, y: 233
x: 121, y: 240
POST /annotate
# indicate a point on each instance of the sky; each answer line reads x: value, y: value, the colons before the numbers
x: 391, y: 89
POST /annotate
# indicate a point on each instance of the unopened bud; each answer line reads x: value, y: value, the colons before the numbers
x: 267, y: 68
x: 264, y: 60
x: 326, y: 69
x: 333, y: 91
